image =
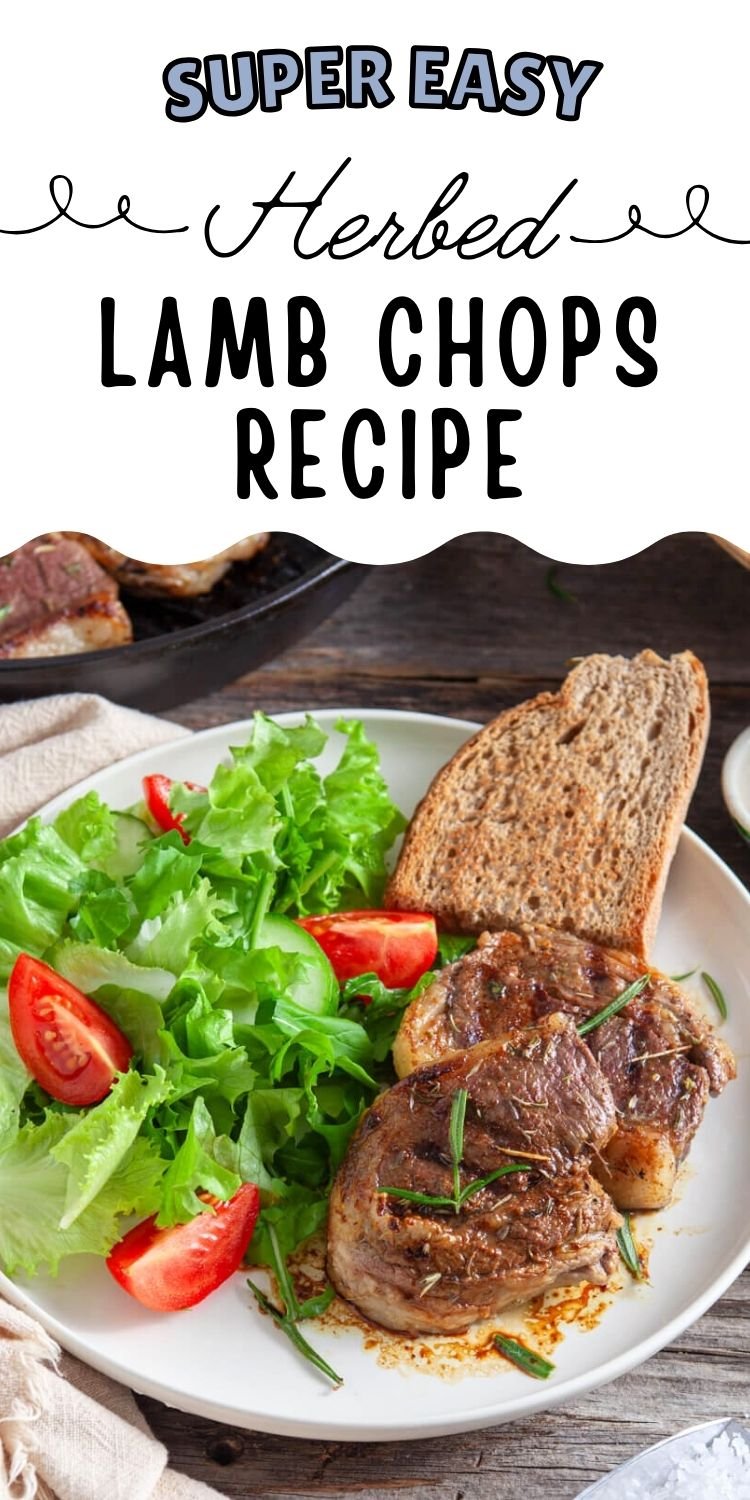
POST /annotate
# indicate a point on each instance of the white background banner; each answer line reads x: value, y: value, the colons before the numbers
x: 604, y: 467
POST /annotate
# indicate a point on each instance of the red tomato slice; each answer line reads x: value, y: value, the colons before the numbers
x: 156, y: 790
x: 398, y: 946
x: 167, y: 1269
x: 66, y: 1041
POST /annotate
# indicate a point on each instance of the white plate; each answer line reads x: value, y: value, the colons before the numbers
x: 225, y: 1361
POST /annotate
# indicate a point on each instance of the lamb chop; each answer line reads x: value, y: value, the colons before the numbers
x: 537, y: 1107
x: 176, y: 580
x: 659, y: 1055
x: 56, y: 601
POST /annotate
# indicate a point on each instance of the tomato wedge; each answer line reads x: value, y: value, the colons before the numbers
x: 156, y: 790
x: 398, y: 946
x: 168, y: 1269
x: 66, y: 1041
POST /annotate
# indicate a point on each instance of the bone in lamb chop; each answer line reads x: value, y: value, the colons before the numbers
x: 537, y: 1107
x: 56, y: 601
x: 660, y: 1056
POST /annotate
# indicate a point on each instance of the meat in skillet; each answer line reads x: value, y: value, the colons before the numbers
x: 55, y: 601
x: 535, y: 1097
x: 659, y: 1055
x: 177, y: 580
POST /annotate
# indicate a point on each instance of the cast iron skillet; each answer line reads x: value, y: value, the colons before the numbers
x: 185, y: 648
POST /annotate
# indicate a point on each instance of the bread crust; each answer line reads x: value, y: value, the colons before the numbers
x: 567, y: 856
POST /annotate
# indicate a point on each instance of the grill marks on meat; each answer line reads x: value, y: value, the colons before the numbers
x: 534, y: 1095
x: 659, y: 1054
x: 56, y: 601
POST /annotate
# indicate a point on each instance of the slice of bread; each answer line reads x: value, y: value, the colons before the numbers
x: 565, y: 810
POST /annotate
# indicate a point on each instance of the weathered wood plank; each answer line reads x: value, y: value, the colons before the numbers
x: 549, y: 1457
x: 467, y: 631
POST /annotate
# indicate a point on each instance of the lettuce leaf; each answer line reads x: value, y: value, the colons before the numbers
x: 88, y: 828
x: 378, y: 1009
x: 40, y: 881
x: 96, y: 1144
x: 166, y: 941
x: 195, y: 1168
x: 298, y: 1216
x: 169, y: 869
x: 453, y: 945
x: 274, y: 750
x: 14, y: 1077
x: 132, y: 994
x: 91, y: 968
x: 105, y: 913
x: 34, y: 1192
x: 272, y: 1119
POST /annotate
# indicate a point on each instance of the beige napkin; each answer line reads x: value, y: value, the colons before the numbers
x: 66, y: 1432
x: 49, y: 744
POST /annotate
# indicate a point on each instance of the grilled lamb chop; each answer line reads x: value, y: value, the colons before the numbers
x: 535, y: 1097
x: 55, y: 601
x: 177, y: 580
x: 659, y: 1055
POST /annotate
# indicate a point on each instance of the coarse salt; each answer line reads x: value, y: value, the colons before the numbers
x: 687, y: 1469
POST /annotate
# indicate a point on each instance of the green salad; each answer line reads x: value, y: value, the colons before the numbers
x: 250, y: 1063
x: 245, y: 1060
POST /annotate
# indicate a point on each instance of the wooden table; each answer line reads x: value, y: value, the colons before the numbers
x: 466, y: 631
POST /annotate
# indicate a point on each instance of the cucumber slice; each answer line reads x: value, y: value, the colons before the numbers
x: 131, y: 837
x: 317, y: 990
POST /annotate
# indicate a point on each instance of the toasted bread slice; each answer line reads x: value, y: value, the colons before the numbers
x: 566, y: 809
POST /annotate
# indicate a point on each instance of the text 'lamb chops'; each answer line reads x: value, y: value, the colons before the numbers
x: 660, y: 1056
x: 535, y: 1107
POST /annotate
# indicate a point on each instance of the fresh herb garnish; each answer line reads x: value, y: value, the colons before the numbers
x: 716, y: 995
x: 438, y: 1200
x: 456, y: 1139
x: 5, y: 610
x: 628, y: 1249
x: 294, y: 1310
x: 678, y: 978
x: 556, y: 589
x: 614, y: 1006
x: 527, y: 1360
x: 742, y: 831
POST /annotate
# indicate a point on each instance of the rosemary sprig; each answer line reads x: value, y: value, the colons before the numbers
x: 294, y: 1310
x: 439, y: 1200
x: 556, y: 589
x: 628, y: 1249
x: 716, y: 995
x: 678, y: 978
x: 456, y: 1140
x: 526, y: 1359
x: 614, y: 1005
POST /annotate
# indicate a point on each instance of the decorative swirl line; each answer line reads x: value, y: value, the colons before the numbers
x: 696, y: 201
x: 62, y: 204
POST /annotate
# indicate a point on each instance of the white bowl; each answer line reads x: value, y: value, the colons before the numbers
x: 735, y: 783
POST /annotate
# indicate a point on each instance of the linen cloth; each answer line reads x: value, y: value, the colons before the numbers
x: 67, y: 1432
